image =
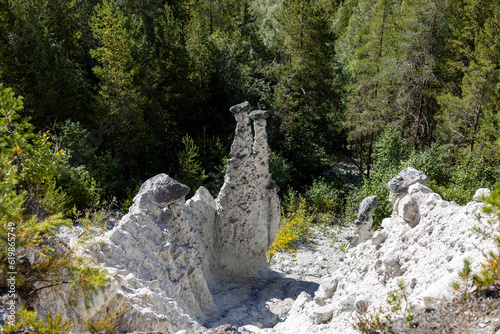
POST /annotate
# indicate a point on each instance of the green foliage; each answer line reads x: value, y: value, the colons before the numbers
x: 465, y: 275
x: 399, y: 303
x: 126, y: 80
x: 48, y: 325
x: 87, y: 280
x: 281, y: 170
x: 190, y: 170
x: 465, y: 177
x: 369, y: 323
x: 79, y: 186
x: 398, y: 306
x: 30, y: 170
x: 328, y: 199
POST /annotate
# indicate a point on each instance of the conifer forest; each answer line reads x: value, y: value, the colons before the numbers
x: 97, y: 96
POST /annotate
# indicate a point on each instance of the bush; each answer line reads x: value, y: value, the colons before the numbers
x: 466, y: 177
x: 328, y: 199
x: 294, y: 228
x: 30, y: 209
x: 79, y: 186
x: 48, y: 325
x: 281, y: 171
x: 190, y: 170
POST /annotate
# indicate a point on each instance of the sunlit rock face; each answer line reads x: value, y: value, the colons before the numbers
x: 248, y: 207
x: 166, y: 252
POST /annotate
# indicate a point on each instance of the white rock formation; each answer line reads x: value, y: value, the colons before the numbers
x: 163, y: 254
x: 248, y: 207
x: 157, y: 257
x: 427, y: 255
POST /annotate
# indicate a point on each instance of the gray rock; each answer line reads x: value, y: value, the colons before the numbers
x: 258, y: 114
x: 326, y: 290
x: 408, y: 210
x: 366, y: 209
x: 481, y: 194
x: 329, y: 286
x: 240, y: 108
x: 408, y: 176
x: 163, y: 190
x: 364, y: 222
x: 347, y: 304
x: 323, y: 314
x: 379, y: 237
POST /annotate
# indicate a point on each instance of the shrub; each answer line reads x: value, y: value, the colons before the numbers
x: 294, y: 228
x: 190, y: 170
x: 30, y: 211
x: 79, y: 186
x: 466, y: 177
x: 281, y: 170
x: 46, y: 325
x: 328, y: 199
x: 398, y: 305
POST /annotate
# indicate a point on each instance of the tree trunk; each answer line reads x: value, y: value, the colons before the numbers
x: 479, y: 110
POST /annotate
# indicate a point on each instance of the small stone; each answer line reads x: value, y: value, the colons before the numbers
x: 258, y: 114
x: 408, y: 210
x: 347, y: 304
x: 329, y: 286
x: 323, y: 314
x: 242, y: 107
x: 362, y: 305
x: 379, y: 237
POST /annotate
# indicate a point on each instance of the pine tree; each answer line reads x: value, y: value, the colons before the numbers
x: 119, y: 97
x: 40, y: 58
x: 469, y: 115
x: 304, y: 99
x: 366, y: 109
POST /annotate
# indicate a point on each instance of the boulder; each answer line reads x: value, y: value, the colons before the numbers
x: 408, y: 210
x: 323, y: 314
x: 364, y: 221
x: 408, y: 176
x: 366, y: 209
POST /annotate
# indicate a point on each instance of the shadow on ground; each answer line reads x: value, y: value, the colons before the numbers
x: 258, y: 302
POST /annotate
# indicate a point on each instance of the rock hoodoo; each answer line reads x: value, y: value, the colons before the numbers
x: 248, y: 207
x: 166, y: 252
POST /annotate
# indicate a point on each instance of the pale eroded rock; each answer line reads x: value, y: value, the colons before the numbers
x: 248, y: 207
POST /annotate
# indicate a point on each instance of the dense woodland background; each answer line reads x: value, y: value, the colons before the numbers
x: 116, y: 91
